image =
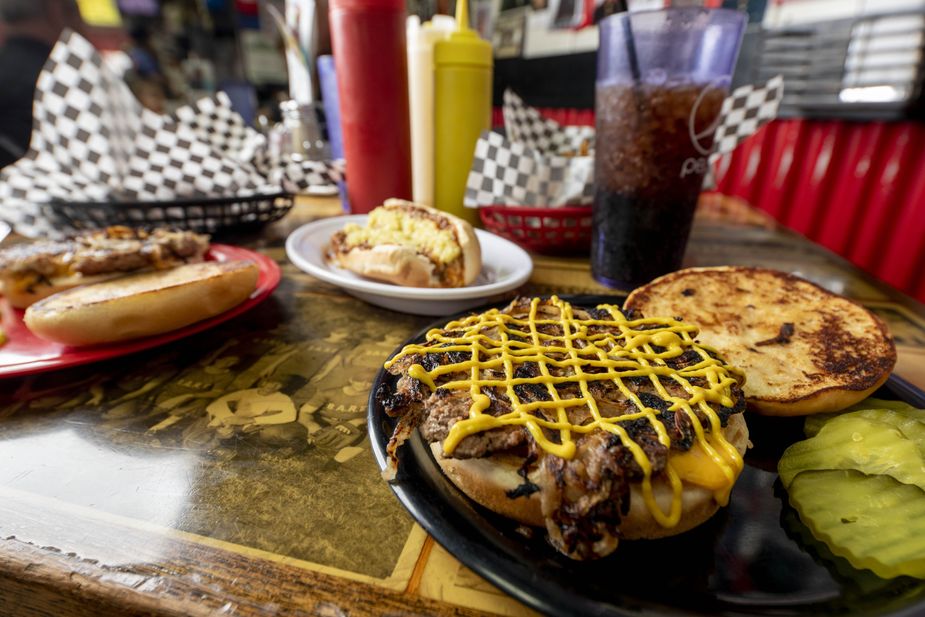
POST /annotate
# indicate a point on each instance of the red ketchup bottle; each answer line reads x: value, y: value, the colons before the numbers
x: 368, y: 39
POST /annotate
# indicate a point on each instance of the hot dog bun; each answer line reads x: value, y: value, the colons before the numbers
x: 142, y: 304
x: 411, y: 245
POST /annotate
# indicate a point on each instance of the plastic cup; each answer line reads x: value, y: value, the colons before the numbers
x: 662, y: 77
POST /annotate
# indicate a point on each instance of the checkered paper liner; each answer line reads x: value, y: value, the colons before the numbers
x: 527, y: 168
x: 525, y: 125
x: 511, y: 173
x: 745, y: 111
x: 93, y: 142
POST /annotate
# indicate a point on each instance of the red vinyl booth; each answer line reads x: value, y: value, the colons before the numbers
x: 857, y: 188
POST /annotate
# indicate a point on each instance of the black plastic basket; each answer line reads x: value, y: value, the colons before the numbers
x: 204, y: 214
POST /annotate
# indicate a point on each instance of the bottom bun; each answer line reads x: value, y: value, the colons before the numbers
x: 487, y: 481
x: 391, y: 263
x: 142, y: 304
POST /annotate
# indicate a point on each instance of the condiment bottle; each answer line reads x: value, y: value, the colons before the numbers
x: 462, y: 110
x: 368, y: 40
x: 421, y: 39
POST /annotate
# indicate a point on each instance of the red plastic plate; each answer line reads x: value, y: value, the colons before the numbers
x: 24, y: 353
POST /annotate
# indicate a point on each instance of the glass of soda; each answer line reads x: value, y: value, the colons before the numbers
x: 662, y: 77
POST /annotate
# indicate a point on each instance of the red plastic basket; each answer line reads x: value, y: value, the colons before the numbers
x: 552, y: 231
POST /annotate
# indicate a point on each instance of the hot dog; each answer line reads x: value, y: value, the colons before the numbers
x: 30, y: 272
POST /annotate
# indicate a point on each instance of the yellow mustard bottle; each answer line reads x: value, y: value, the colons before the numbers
x: 462, y: 110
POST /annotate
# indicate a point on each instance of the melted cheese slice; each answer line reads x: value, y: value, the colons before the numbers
x: 697, y: 467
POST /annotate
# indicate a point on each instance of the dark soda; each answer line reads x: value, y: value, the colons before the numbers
x: 652, y: 148
x: 637, y: 239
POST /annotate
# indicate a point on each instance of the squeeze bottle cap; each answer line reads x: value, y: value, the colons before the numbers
x: 428, y: 33
x: 464, y: 45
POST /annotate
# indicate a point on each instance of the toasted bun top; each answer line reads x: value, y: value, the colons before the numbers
x: 803, y: 349
x: 137, y: 285
x: 142, y: 304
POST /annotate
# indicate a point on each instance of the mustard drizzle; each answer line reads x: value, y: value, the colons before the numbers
x: 628, y: 355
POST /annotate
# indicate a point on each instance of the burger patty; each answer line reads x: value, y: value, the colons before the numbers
x: 114, y: 249
x: 585, y: 497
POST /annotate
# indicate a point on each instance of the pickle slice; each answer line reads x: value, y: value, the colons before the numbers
x: 881, y: 403
x: 814, y: 423
x: 910, y: 422
x: 874, y: 522
x: 859, y: 443
x: 857, y: 582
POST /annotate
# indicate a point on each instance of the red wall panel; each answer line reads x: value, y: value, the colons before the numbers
x: 885, y: 189
x: 809, y: 199
x: 904, y: 249
x: 847, y: 196
x: 775, y: 175
x: 741, y: 167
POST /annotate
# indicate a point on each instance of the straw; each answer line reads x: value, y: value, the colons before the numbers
x: 631, y: 46
x: 634, y: 66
